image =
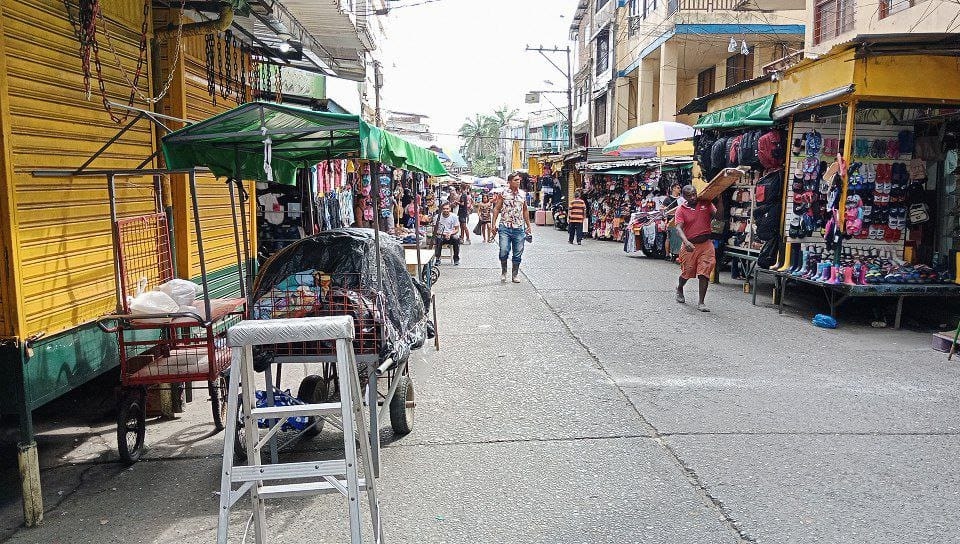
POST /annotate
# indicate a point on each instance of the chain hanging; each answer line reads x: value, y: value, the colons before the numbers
x: 172, y: 69
x: 90, y: 14
x: 235, y: 80
x: 278, y: 96
x: 266, y: 80
x: 220, y: 65
x: 227, y: 88
x: 211, y: 75
x: 244, y: 66
x: 254, y: 77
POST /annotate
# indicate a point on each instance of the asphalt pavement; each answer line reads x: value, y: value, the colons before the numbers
x: 583, y: 405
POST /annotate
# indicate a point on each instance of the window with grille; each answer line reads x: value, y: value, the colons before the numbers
x: 603, y: 51
x: 633, y: 21
x: 833, y: 17
x: 739, y: 68
x: 600, y: 115
x: 889, y: 7
x: 706, y: 81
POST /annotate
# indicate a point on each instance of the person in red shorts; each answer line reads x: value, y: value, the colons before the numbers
x: 697, y: 255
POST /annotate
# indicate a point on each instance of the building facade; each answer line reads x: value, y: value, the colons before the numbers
x: 830, y: 22
x: 640, y: 60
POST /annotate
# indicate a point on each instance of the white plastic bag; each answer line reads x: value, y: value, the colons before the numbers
x: 153, y: 302
x: 183, y: 292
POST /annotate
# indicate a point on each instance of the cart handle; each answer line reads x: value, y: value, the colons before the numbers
x: 126, y: 318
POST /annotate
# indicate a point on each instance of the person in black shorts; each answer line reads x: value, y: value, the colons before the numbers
x: 463, y: 214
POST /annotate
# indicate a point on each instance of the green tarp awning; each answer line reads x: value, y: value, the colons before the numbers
x: 755, y: 113
x: 235, y: 143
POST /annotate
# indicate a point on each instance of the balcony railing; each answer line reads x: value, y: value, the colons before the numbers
x: 673, y: 6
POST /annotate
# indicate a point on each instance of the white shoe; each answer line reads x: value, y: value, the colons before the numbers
x: 516, y: 279
x: 503, y: 278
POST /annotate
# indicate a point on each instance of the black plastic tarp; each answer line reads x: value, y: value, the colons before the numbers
x: 348, y: 256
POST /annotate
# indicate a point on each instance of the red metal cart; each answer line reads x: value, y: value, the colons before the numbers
x: 181, y: 347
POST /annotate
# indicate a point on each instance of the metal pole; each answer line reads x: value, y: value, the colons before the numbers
x: 847, y: 152
x: 569, y: 102
x: 247, y: 265
x: 375, y: 187
x: 115, y: 231
x: 196, y: 226
x: 236, y: 241
x: 416, y: 219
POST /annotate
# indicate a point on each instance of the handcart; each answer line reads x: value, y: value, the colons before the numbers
x: 177, y: 347
x: 336, y: 273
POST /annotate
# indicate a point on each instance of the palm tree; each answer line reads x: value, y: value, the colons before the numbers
x: 504, y: 115
x: 473, y: 132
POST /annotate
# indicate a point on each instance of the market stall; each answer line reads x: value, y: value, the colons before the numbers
x: 269, y: 143
x: 869, y: 206
x: 745, y: 136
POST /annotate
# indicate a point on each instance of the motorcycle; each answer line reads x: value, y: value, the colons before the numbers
x: 560, y: 214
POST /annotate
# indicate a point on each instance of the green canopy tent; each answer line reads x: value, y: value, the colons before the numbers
x: 267, y: 142
x: 263, y: 141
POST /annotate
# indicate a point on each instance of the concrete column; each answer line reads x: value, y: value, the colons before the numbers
x: 29, y: 465
x: 668, y: 80
x: 645, y: 91
x: 621, y: 110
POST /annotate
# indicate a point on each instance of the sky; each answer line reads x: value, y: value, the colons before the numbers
x: 450, y: 59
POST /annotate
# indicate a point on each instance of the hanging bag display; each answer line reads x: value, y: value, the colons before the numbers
x: 919, y: 214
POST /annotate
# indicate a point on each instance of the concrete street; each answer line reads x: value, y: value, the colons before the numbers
x: 583, y: 405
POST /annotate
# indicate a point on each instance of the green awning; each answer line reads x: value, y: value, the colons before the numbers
x: 755, y: 113
x: 234, y: 143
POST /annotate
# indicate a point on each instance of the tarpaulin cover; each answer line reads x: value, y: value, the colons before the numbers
x: 755, y: 113
x: 349, y: 257
x: 232, y: 144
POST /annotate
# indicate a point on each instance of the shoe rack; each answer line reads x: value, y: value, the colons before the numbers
x: 891, y: 244
x: 742, y: 225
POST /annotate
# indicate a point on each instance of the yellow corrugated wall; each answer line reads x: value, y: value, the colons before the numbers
x: 213, y: 194
x: 65, y: 251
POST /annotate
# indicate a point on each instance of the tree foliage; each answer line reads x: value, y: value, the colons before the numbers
x: 480, y: 135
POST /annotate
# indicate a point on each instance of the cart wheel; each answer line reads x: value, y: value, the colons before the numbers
x: 131, y: 425
x: 401, y: 415
x: 314, y: 389
x: 218, y: 401
x: 239, y: 434
x: 434, y: 274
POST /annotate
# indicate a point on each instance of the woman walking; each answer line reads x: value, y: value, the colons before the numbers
x: 486, y: 213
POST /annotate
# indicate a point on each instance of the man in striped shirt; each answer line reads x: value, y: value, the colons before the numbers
x: 576, y: 213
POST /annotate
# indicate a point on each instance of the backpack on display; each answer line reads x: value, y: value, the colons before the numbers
x: 768, y: 255
x: 769, y: 187
x: 718, y: 155
x: 733, y: 151
x: 768, y: 221
x: 770, y: 149
x: 747, y: 155
x: 918, y: 214
x: 704, y: 150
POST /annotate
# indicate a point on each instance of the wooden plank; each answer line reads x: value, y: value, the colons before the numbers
x: 723, y: 181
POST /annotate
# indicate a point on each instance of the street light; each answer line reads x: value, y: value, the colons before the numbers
x: 568, y: 76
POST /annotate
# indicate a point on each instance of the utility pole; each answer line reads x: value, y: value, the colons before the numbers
x: 377, y: 85
x: 568, y: 76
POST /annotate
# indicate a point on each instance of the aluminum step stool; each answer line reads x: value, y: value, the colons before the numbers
x: 311, y: 478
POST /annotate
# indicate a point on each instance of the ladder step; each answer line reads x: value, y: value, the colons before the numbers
x: 302, y: 490
x: 291, y: 471
x: 283, y: 412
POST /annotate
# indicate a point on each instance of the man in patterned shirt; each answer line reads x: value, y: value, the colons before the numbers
x: 511, y: 208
